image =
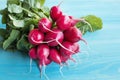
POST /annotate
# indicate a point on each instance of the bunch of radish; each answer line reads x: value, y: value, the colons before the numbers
x: 55, y: 43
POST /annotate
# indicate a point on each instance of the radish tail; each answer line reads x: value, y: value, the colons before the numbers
x: 64, y: 47
x: 84, y: 41
x: 72, y: 59
x: 44, y: 72
x: 30, y: 65
x: 60, y: 70
x: 60, y: 3
x: 40, y: 67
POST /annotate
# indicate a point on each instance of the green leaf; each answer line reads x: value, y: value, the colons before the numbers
x: 4, y: 14
x: 94, y: 21
x: 23, y: 44
x: 18, y: 23
x: 13, y: 2
x: 46, y: 10
x: 13, y: 8
x: 41, y: 2
x: 3, y: 32
x: 13, y: 36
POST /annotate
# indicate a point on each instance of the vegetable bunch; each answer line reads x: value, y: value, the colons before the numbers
x: 46, y: 34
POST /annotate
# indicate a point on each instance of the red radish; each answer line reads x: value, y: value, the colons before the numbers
x: 73, y: 34
x: 69, y: 46
x: 54, y: 55
x: 35, y: 37
x: 42, y: 51
x: 46, y: 61
x: 55, y: 12
x: 64, y: 22
x: 33, y: 53
x: 44, y: 25
x: 54, y: 36
x: 64, y: 57
x: 76, y: 48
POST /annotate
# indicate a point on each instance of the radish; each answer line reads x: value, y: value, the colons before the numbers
x: 54, y: 55
x: 73, y: 34
x: 54, y: 36
x: 64, y: 22
x: 35, y: 37
x: 44, y: 25
x: 42, y: 64
x: 76, y: 48
x: 64, y: 57
x: 55, y: 12
x: 44, y: 61
x: 69, y: 46
x: 33, y: 53
x: 42, y: 51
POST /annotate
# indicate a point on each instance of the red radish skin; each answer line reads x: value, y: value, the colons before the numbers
x: 45, y: 61
x: 43, y: 51
x: 33, y: 53
x: 69, y: 46
x: 76, y: 48
x: 63, y: 23
x: 55, y: 13
x: 44, y: 25
x: 54, y: 36
x: 76, y: 35
x: 54, y: 55
x: 35, y: 37
x: 64, y: 57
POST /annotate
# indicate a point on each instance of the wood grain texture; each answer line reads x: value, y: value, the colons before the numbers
x: 98, y: 61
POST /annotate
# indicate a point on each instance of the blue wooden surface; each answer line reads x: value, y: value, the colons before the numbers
x: 98, y: 61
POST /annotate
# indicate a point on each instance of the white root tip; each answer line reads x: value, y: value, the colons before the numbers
x: 84, y: 41
x: 30, y: 65
x: 40, y: 67
x: 60, y: 70
x: 60, y: 3
x: 72, y: 59
x: 44, y: 72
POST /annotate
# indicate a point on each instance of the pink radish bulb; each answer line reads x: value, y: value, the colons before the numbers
x: 33, y: 53
x: 64, y: 22
x: 43, y: 51
x: 35, y: 37
x: 69, y: 46
x: 54, y: 36
x: 44, y: 25
x: 73, y: 34
x: 74, y: 21
x: 54, y: 55
x: 64, y: 57
x: 45, y: 61
x: 76, y: 48
x: 55, y: 13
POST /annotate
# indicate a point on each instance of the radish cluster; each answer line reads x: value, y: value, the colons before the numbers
x: 55, y: 44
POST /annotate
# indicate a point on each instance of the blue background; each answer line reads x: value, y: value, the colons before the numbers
x: 98, y: 61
